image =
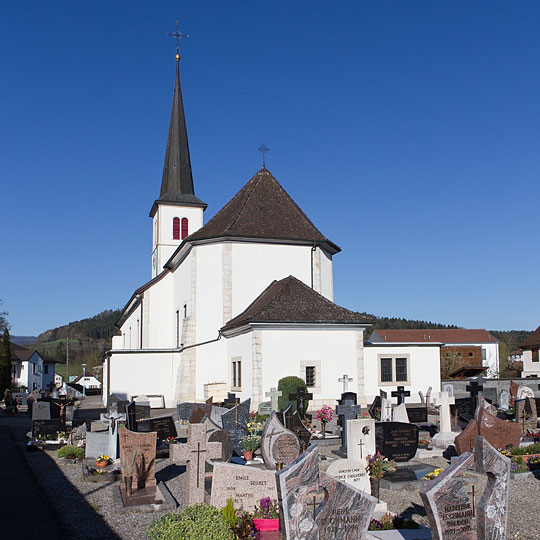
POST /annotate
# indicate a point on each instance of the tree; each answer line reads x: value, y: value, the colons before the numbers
x: 5, y: 363
x: 3, y: 319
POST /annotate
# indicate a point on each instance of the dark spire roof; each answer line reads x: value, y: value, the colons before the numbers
x: 263, y: 209
x: 177, y: 179
x: 289, y: 300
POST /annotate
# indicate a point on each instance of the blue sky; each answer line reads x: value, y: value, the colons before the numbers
x: 407, y: 131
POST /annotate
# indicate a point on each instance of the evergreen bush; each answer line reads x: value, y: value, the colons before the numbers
x: 288, y: 385
x: 71, y: 452
x: 197, y: 522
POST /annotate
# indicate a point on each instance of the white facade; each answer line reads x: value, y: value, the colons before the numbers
x: 530, y: 368
x: 88, y: 382
x: 34, y: 373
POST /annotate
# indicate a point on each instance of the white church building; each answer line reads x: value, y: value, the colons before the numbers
x: 245, y: 299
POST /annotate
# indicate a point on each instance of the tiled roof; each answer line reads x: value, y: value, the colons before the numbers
x: 532, y: 341
x: 446, y: 335
x: 263, y: 209
x: 289, y: 300
x: 23, y: 354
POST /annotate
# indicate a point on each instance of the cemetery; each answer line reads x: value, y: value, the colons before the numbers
x: 288, y: 470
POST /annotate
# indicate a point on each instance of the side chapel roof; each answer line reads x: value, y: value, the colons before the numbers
x: 289, y: 300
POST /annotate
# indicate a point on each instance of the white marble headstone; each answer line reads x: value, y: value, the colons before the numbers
x: 504, y: 400
x: 350, y: 472
x: 525, y: 392
x: 386, y: 410
x: 360, y: 439
x: 41, y: 410
x: 399, y: 414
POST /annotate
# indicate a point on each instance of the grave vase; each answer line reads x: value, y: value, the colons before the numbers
x: 323, y: 429
x: 248, y: 456
x: 375, y: 486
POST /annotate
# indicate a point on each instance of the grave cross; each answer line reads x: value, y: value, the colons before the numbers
x: 473, y: 500
x: 474, y: 389
x: 345, y: 380
x: 347, y: 410
x: 401, y: 394
x: 443, y: 400
x: 183, y: 453
x: 300, y: 396
x: 274, y: 394
x: 234, y: 401
x: 361, y: 444
x: 314, y: 504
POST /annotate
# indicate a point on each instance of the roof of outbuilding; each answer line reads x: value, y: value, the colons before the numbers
x: 263, y: 209
x: 289, y: 300
x: 532, y: 341
x: 444, y: 335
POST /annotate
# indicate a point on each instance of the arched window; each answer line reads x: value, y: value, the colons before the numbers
x: 184, y: 227
x: 176, y: 228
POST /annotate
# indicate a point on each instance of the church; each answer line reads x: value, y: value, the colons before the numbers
x: 243, y: 300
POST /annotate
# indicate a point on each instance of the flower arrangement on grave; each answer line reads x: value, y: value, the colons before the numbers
x: 70, y: 452
x: 377, y: 466
x: 534, y: 463
x: 432, y: 475
x: 535, y: 435
x: 249, y: 444
x: 102, y: 461
x: 389, y: 522
x: 61, y: 436
x: 324, y: 415
x: 266, y: 515
x: 423, y: 443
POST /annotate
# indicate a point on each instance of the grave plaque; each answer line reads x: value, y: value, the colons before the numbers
x: 41, y: 410
x: 246, y: 485
x: 43, y: 428
x: 278, y: 444
x: 265, y: 408
x: 397, y: 441
x: 360, y: 439
x: 350, y: 472
x: 504, y: 400
x: 235, y: 424
x: 97, y: 444
x: 162, y: 425
x: 138, y: 459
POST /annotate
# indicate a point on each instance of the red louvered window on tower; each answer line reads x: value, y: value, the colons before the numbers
x: 176, y: 228
x: 184, y: 227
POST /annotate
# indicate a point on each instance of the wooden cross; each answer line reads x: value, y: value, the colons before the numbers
x: 473, y: 501
x: 182, y: 454
x: 274, y: 394
x: 300, y: 396
x: 401, y: 394
x: 345, y: 380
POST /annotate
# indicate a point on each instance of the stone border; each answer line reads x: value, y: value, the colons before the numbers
x: 527, y: 474
x: 168, y: 503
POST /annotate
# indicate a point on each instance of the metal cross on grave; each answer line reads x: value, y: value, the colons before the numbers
x: 196, y: 452
x: 347, y: 410
x: 474, y: 388
x: 300, y: 396
x: 401, y: 394
x: 361, y: 444
x: 345, y: 380
x: 274, y: 394
x: 233, y: 401
x: 472, y: 492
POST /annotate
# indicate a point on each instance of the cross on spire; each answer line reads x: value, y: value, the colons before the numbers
x: 263, y: 149
x: 178, y: 36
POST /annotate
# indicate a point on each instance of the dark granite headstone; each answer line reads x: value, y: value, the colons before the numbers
x: 131, y: 416
x: 347, y: 410
x: 142, y: 411
x: 235, y: 423
x: 417, y: 415
x: 47, y: 427
x: 490, y: 394
x: 215, y: 433
x: 163, y: 425
x: 375, y: 408
x: 464, y: 407
x: 396, y: 440
x: 184, y: 410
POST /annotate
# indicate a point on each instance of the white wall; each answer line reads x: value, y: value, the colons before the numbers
x: 529, y: 367
x: 424, y: 366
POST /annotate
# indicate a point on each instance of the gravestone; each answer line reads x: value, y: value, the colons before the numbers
x: 199, y: 410
x: 97, y: 444
x: 396, y: 441
x: 417, y: 415
x: 41, y: 410
x: 265, y: 408
x: 474, y: 388
x: 464, y: 408
x: 504, y: 400
x: 131, y: 416
x: 449, y: 388
x: 231, y: 401
x: 386, y: 407
x: 524, y: 392
x: 278, y: 444
x: 111, y: 420
x: 490, y: 394
x: 216, y: 414
x: 343, y: 515
x: 526, y: 415
x: 295, y: 424
x: 142, y: 407
x: 360, y: 439
x: 513, y: 392
x: 215, y: 433
x: 301, y: 396
x: 456, y: 512
x: 346, y: 410
x: 399, y: 414
x: 77, y: 436
x: 162, y: 425
x: 245, y: 485
x: 401, y: 394
x: 118, y: 402
x: 43, y: 428
x: 445, y: 437
x: 235, y: 424
x: 196, y: 452
x: 345, y: 380
x: 138, y: 459
x: 274, y: 396
x: 184, y: 410
x: 351, y: 472
x: 375, y: 409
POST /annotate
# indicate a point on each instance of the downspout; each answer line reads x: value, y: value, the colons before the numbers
x: 182, y: 348
x: 313, y: 250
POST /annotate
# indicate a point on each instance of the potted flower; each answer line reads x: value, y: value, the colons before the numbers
x: 249, y: 443
x: 324, y: 415
x: 102, y: 461
x: 376, y: 467
x: 266, y: 515
x: 423, y: 443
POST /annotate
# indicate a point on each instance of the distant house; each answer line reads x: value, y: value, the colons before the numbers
x: 476, y: 349
x: 58, y: 380
x: 31, y: 369
x: 89, y: 382
x: 531, y: 361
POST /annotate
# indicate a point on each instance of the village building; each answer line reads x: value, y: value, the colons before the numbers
x: 245, y: 299
x: 530, y: 357
x: 31, y: 369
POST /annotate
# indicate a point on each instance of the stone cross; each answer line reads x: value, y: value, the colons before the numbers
x: 274, y: 394
x: 300, y: 396
x: 401, y: 394
x: 196, y: 452
x: 345, y: 380
x: 347, y: 410
x: 443, y: 400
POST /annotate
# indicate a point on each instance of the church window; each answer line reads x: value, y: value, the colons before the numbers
x: 393, y: 370
x: 237, y: 372
x: 401, y: 369
x: 386, y: 370
x: 184, y: 227
x: 310, y: 376
x: 176, y: 228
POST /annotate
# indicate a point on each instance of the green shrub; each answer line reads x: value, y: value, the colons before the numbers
x: 197, y: 522
x: 229, y: 513
x: 288, y: 385
x: 70, y: 452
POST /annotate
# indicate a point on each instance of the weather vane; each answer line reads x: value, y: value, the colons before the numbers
x: 178, y: 36
x: 263, y: 149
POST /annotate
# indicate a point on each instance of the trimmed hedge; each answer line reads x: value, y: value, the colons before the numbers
x: 288, y: 385
x: 71, y: 452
